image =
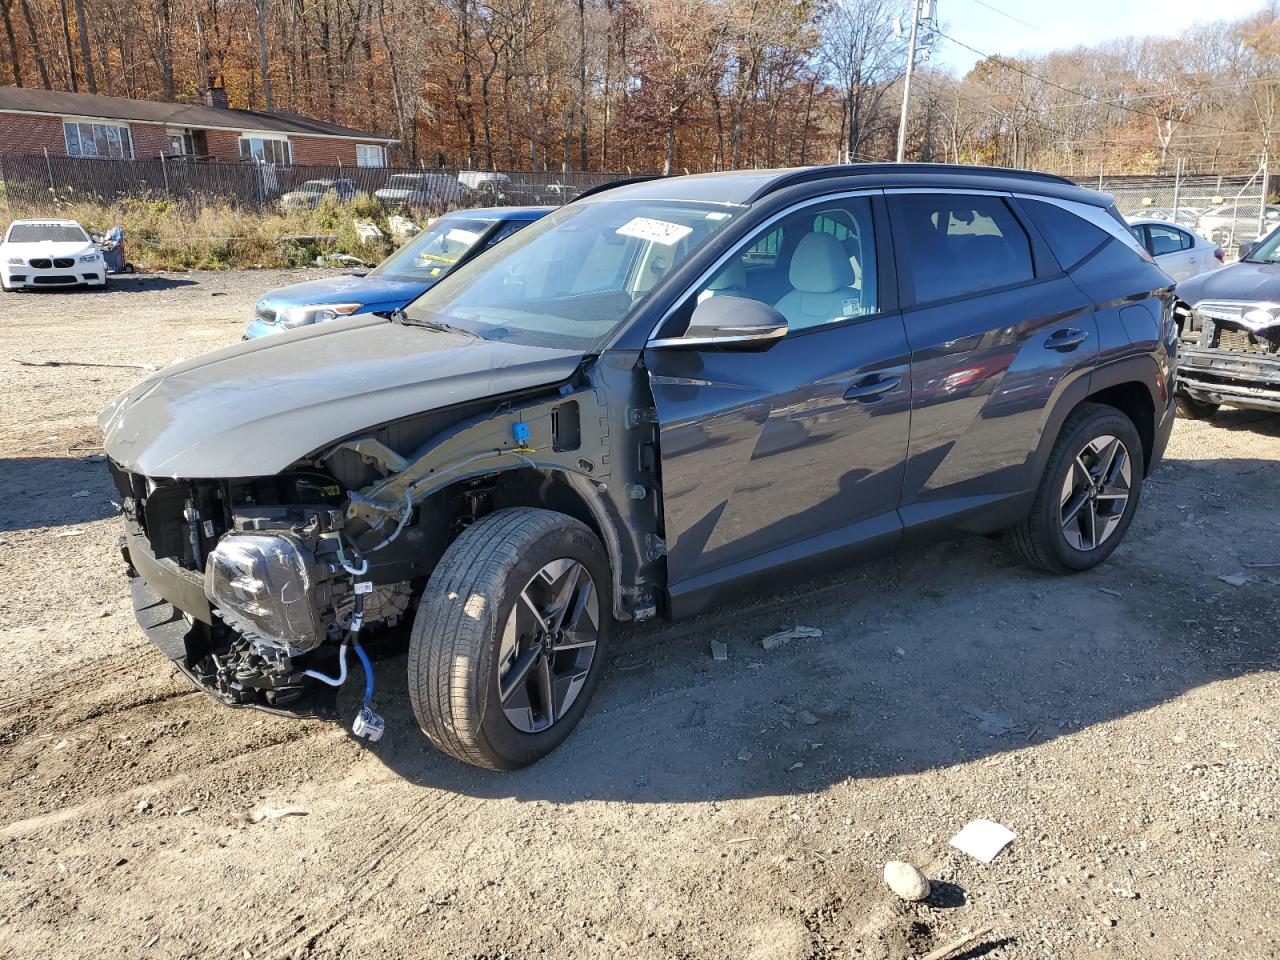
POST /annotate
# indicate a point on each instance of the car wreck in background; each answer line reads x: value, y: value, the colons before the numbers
x: 423, y: 261
x: 1229, y: 328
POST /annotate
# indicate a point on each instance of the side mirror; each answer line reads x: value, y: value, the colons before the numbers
x: 728, y: 323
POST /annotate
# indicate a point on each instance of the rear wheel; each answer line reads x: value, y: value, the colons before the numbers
x: 1087, y: 496
x: 510, y: 638
x: 1191, y: 409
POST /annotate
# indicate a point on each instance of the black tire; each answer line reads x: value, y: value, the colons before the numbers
x: 454, y: 646
x: 1040, y: 540
x: 1189, y: 408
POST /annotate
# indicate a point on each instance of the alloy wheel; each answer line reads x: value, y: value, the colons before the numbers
x: 548, y: 645
x: 1095, y: 492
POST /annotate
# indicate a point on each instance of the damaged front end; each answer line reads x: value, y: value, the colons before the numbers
x: 1229, y: 352
x: 247, y: 585
x: 257, y: 588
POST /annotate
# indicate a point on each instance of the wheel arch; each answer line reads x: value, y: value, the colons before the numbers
x: 562, y: 491
x: 1132, y: 385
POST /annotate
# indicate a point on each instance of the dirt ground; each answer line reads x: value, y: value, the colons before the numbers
x: 1123, y: 722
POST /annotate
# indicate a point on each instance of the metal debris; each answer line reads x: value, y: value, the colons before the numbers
x: 775, y: 640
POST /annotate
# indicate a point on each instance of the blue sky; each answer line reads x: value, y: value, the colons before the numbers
x: 1067, y: 23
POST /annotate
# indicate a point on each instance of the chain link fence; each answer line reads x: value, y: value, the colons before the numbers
x: 29, y: 182
x: 1228, y: 209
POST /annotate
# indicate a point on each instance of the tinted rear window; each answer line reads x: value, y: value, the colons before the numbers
x: 1071, y: 238
x: 959, y: 244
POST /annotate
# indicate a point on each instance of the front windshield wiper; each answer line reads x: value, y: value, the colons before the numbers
x: 399, y: 316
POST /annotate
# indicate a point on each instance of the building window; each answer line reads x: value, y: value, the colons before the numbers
x: 272, y: 150
x: 85, y: 139
x: 182, y: 142
x: 371, y: 155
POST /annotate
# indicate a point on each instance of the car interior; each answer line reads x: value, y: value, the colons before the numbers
x: 813, y: 267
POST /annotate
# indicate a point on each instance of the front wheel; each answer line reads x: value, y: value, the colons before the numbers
x: 510, y: 638
x: 1087, y: 496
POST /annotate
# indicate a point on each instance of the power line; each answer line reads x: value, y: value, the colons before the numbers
x: 1010, y: 65
x: 1010, y: 16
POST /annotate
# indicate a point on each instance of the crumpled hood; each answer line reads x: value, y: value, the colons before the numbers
x: 370, y: 291
x: 256, y: 407
x: 1240, y: 281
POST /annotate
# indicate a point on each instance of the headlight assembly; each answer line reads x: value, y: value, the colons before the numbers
x: 1253, y: 316
x: 89, y: 258
x: 261, y: 583
x: 17, y: 262
x: 302, y: 316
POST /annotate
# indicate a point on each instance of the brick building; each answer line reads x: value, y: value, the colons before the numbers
x: 85, y: 125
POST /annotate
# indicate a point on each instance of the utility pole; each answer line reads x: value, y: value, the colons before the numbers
x: 906, y: 83
x: 922, y: 12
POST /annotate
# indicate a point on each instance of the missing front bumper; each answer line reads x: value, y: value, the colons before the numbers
x: 1243, y: 380
x: 195, y: 650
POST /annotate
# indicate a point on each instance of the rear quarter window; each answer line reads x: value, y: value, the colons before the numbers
x: 1071, y: 238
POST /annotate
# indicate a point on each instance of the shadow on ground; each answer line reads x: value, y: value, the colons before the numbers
x: 117, y: 283
x: 928, y: 659
x: 41, y: 492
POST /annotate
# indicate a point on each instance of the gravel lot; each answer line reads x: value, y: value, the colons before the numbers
x: 1123, y: 722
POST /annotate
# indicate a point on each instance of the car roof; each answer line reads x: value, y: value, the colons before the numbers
x: 58, y: 220
x: 503, y: 213
x: 746, y: 186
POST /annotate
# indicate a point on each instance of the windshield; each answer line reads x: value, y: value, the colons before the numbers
x: 39, y: 232
x: 568, y: 280
x: 1267, y: 250
x: 430, y: 254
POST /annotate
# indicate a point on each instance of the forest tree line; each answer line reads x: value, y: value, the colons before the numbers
x: 667, y: 85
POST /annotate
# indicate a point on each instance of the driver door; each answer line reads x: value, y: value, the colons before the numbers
x: 798, y: 449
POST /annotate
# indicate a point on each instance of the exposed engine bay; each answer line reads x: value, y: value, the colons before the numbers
x: 262, y: 587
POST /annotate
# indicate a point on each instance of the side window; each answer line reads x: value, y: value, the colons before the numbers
x: 1166, y: 240
x: 958, y: 244
x: 764, y: 252
x: 828, y: 252
x: 1071, y: 238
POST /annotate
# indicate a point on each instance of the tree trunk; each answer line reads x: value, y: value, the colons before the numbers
x: 15, y: 63
x: 583, y: 158
x: 86, y: 57
x: 34, y: 40
x: 66, y: 47
x: 263, y: 7
x: 670, y: 155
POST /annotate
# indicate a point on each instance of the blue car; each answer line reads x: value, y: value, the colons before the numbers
x: 416, y: 267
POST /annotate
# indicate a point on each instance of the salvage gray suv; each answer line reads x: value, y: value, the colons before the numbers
x: 654, y: 397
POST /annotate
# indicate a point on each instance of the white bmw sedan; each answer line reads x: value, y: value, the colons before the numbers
x: 49, y: 253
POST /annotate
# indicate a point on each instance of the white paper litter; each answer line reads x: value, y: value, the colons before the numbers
x: 983, y: 839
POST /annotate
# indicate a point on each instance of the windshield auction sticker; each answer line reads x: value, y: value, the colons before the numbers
x: 655, y: 231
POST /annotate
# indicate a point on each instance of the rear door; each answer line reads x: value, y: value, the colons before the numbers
x: 997, y: 331
x: 784, y: 453
x: 1174, y: 249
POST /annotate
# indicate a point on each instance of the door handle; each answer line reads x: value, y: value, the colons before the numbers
x: 1066, y: 340
x: 870, y: 388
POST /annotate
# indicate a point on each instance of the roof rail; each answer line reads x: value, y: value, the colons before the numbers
x: 626, y: 182
x: 808, y: 174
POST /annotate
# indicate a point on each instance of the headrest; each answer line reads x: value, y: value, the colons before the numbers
x: 732, y: 276
x: 820, y: 264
